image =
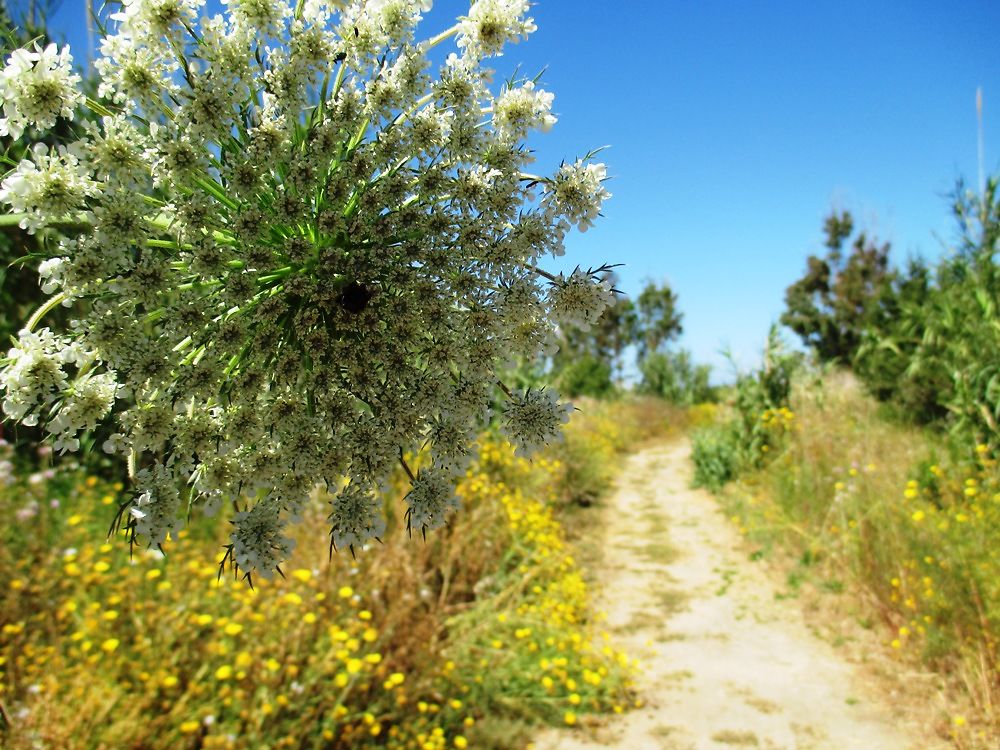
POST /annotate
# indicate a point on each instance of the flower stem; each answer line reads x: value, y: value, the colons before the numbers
x: 544, y: 274
x: 44, y: 310
x: 98, y: 109
x: 434, y: 41
x: 406, y: 467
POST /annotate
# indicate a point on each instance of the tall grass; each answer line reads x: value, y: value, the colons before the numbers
x: 881, y: 509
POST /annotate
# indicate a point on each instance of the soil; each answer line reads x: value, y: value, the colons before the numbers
x: 727, y: 662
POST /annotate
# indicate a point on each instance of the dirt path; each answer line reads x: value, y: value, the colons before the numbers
x: 725, y: 663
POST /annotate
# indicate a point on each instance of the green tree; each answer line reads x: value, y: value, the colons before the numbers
x: 659, y: 320
x: 832, y: 305
x: 933, y: 347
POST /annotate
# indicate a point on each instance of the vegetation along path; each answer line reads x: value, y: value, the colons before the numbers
x: 726, y: 662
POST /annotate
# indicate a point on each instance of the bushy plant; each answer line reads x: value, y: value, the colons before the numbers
x: 758, y: 420
x: 585, y: 376
x: 935, y: 351
x: 715, y: 456
x: 298, y: 257
x: 879, y: 509
x: 674, y: 376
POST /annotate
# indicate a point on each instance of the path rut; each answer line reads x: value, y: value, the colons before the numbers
x: 725, y: 663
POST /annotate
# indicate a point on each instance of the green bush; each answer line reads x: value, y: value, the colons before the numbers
x: 675, y: 377
x: 933, y: 349
x: 715, y: 455
x: 586, y: 376
x: 760, y: 419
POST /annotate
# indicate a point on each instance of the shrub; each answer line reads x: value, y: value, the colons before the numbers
x: 715, y: 456
x: 883, y: 507
x: 756, y: 423
x: 585, y: 376
x: 675, y: 377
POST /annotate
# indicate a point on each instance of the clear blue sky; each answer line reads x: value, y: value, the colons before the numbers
x: 734, y: 127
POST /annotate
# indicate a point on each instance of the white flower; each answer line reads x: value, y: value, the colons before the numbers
x: 156, y: 511
x: 36, y: 87
x: 579, y: 300
x: 518, y: 110
x: 50, y: 274
x: 133, y: 74
x: 578, y: 192
x: 88, y: 402
x: 490, y: 24
x: 284, y: 246
x: 534, y: 418
x: 264, y: 17
x: 430, y: 499
x: 259, y: 545
x: 51, y: 185
x: 154, y: 22
x: 34, y: 376
x: 356, y: 516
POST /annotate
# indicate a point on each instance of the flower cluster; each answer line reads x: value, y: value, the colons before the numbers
x: 300, y: 254
x: 36, y: 87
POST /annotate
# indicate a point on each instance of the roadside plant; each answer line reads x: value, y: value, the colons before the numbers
x: 297, y: 253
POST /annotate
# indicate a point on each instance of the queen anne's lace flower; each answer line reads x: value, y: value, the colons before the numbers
x: 490, y: 24
x: 300, y: 254
x: 356, y: 516
x: 51, y: 185
x: 522, y: 108
x: 430, y: 499
x: 579, y: 300
x: 259, y: 543
x: 534, y: 418
x: 578, y: 193
x: 36, y: 87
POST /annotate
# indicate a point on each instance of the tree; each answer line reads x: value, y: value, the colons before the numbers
x: 832, y: 304
x: 659, y: 320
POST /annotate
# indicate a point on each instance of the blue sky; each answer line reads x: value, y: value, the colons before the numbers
x: 734, y: 127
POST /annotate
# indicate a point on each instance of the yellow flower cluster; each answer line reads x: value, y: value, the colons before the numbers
x: 541, y: 652
x: 778, y: 421
x: 408, y: 645
x: 948, y: 585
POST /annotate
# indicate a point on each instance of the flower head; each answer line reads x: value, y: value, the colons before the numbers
x: 534, y: 418
x: 298, y: 252
x: 490, y: 24
x: 37, y: 86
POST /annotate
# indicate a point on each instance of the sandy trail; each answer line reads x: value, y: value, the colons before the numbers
x: 725, y: 663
